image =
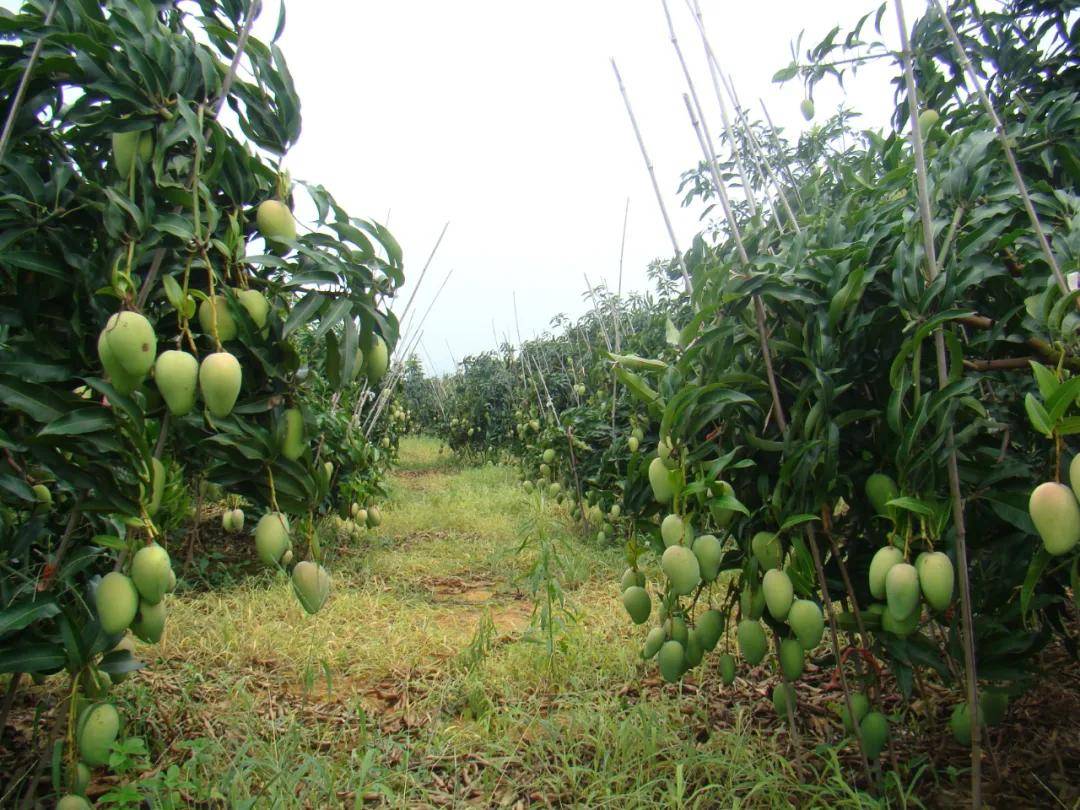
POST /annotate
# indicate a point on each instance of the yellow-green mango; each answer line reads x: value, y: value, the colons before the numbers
x: 117, y: 602
x: 928, y: 119
x: 122, y: 381
x: 633, y: 444
x: 899, y: 627
x: 374, y: 517
x: 637, y: 603
x: 806, y: 107
x: 682, y: 569
x: 149, y: 624
x: 672, y: 530
x: 885, y: 558
x: 312, y: 585
x: 792, y: 659
x: 292, y: 439
x: 256, y: 305
x: 766, y: 548
x: 220, y: 377
x: 150, y: 572
x: 157, y: 485
x: 129, y: 146
x: 1056, y: 516
x: 272, y: 537
x: 710, y: 553
x: 902, y: 591
x: 177, y: 375
x: 132, y: 341
x: 549, y: 456
x: 98, y: 728
x: 43, y: 497
x: 752, y: 642
x: 779, y: 592
x: 936, y: 579
x: 275, y: 221
x: 217, y: 307
x: 722, y: 516
x: 378, y: 360
x: 73, y: 801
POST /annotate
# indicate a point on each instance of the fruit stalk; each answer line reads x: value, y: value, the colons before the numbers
x: 943, y: 375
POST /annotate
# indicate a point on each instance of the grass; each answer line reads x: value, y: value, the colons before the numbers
x: 423, y: 683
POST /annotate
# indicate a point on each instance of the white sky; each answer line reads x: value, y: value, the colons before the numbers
x: 504, y: 118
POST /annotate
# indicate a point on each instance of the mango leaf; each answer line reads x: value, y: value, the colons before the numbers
x: 1037, y: 415
x: 912, y: 505
x: 797, y: 520
x: 42, y: 657
x: 26, y: 613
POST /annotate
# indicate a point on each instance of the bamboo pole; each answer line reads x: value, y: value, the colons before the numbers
x: 656, y: 186
x: 618, y: 316
x: 932, y: 271
x: 24, y: 82
x: 423, y: 272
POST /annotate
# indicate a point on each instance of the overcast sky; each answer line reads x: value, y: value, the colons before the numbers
x: 503, y: 117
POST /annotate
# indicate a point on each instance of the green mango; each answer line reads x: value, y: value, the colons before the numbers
x: 150, y: 572
x: 806, y: 107
x: 630, y: 577
x: 177, y: 375
x: 79, y: 779
x: 779, y: 593
x: 98, y: 727
x: 549, y: 456
x: 632, y: 444
x: 752, y: 643
x: 43, y: 497
x: 132, y: 341
x: 1074, y: 475
x: 792, y: 659
x: 860, y: 704
x: 874, y: 731
x: 374, y: 517
x: 272, y: 537
x: 928, y: 119
x: 217, y: 307
x: 275, y: 221
x: 806, y: 622
x: 960, y: 724
x: 710, y: 553
x: 671, y: 659
x: 994, y: 704
x: 220, y: 378
x: 710, y: 626
x: 378, y: 360
x: 660, y: 481
x: 782, y: 697
x: 693, y: 650
x: 899, y: 627
x: 312, y: 585
x: 681, y: 568
x: 727, y: 669
x: 149, y: 624
x: 672, y: 530
x: 117, y: 602
x: 880, y: 489
x: 676, y: 630
x: 653, y: 642
x: 752, y: 602
x: 637, y: 603
x: 1056, y: 516
x: 292, y: 434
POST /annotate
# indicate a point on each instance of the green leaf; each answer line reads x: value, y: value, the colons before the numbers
x: 1046, y: 380
x: 1035, y: 570
x: 639, y: 363
x: 78, y: 422
x: 26, y: 613
x: 1037, y: 415
x: 32, y: 658
x: 912, y: 505
x: 797, y: 520
x: 304, y: 311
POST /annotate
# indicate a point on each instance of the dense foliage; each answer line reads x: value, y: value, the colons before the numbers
x: 853, y: 464
x: 141, y: 215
